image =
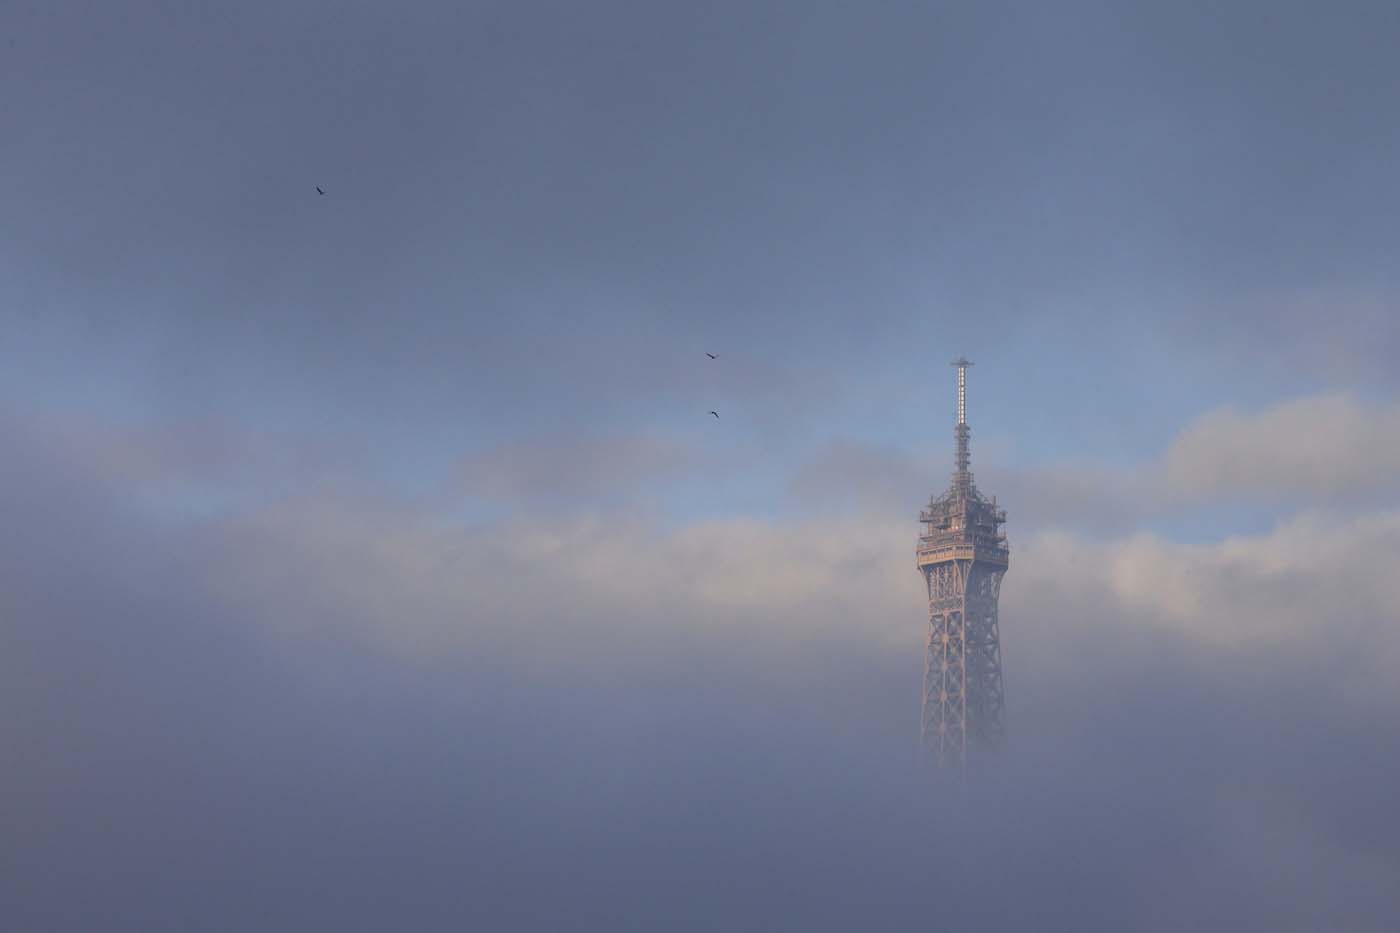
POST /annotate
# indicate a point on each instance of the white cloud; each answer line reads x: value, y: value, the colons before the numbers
x: 1328, y: 446
x: 404, y: 575
x: 1320, y: 585
x: 408, y: 578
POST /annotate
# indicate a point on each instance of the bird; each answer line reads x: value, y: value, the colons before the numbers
x: 715, y: 413
x: 318, y: 190
x: 712, y: 356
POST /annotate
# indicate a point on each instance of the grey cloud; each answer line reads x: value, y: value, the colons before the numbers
x: 623, y: 727
x: 565, y: 473
x: 847, y: 473
x: 892, y: 482
x: 344, y: 713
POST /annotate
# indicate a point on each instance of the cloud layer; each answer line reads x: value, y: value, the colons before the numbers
x: 341, y: 710
x: 1330, y: 446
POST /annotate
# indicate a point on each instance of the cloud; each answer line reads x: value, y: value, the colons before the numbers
x: 1326, y: 450
x: 560, y: 474
x: 1319, y: 447
x: 404, y: 577
x: 358, y: 558
x: 1317, y: 586
x: 525, y: 582
x: 340, y: 710
x: 846, y: 473
x: 255, y: 685
x: 892, y: 482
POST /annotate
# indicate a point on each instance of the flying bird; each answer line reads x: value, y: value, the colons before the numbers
x: 715, y: 413
x: 318, y: 190
x: 712, y: 356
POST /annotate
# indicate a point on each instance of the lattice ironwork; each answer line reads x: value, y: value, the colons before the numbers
x: 963, y: 555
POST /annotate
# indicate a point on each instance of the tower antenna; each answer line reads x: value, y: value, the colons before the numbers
x: 962, y: 458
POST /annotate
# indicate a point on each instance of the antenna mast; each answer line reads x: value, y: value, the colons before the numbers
x: 962, y: 463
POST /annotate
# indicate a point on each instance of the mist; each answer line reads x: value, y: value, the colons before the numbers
x: 371, y: 559
x: 194, y: 745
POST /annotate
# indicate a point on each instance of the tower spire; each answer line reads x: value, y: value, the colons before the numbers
x: 962, y: 462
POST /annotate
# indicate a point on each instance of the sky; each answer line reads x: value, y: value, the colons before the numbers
x: 372, y: 560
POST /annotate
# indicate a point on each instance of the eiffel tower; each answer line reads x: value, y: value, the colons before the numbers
x: 962, y: 554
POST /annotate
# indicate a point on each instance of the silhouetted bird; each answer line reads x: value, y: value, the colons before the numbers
x: 715, y: 413
x: 712, y: 356
x: 318, y: 190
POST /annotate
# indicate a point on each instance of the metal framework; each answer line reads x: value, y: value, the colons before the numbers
x: 962, y: 554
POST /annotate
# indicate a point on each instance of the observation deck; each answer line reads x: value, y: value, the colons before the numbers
x: 962, y: 527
